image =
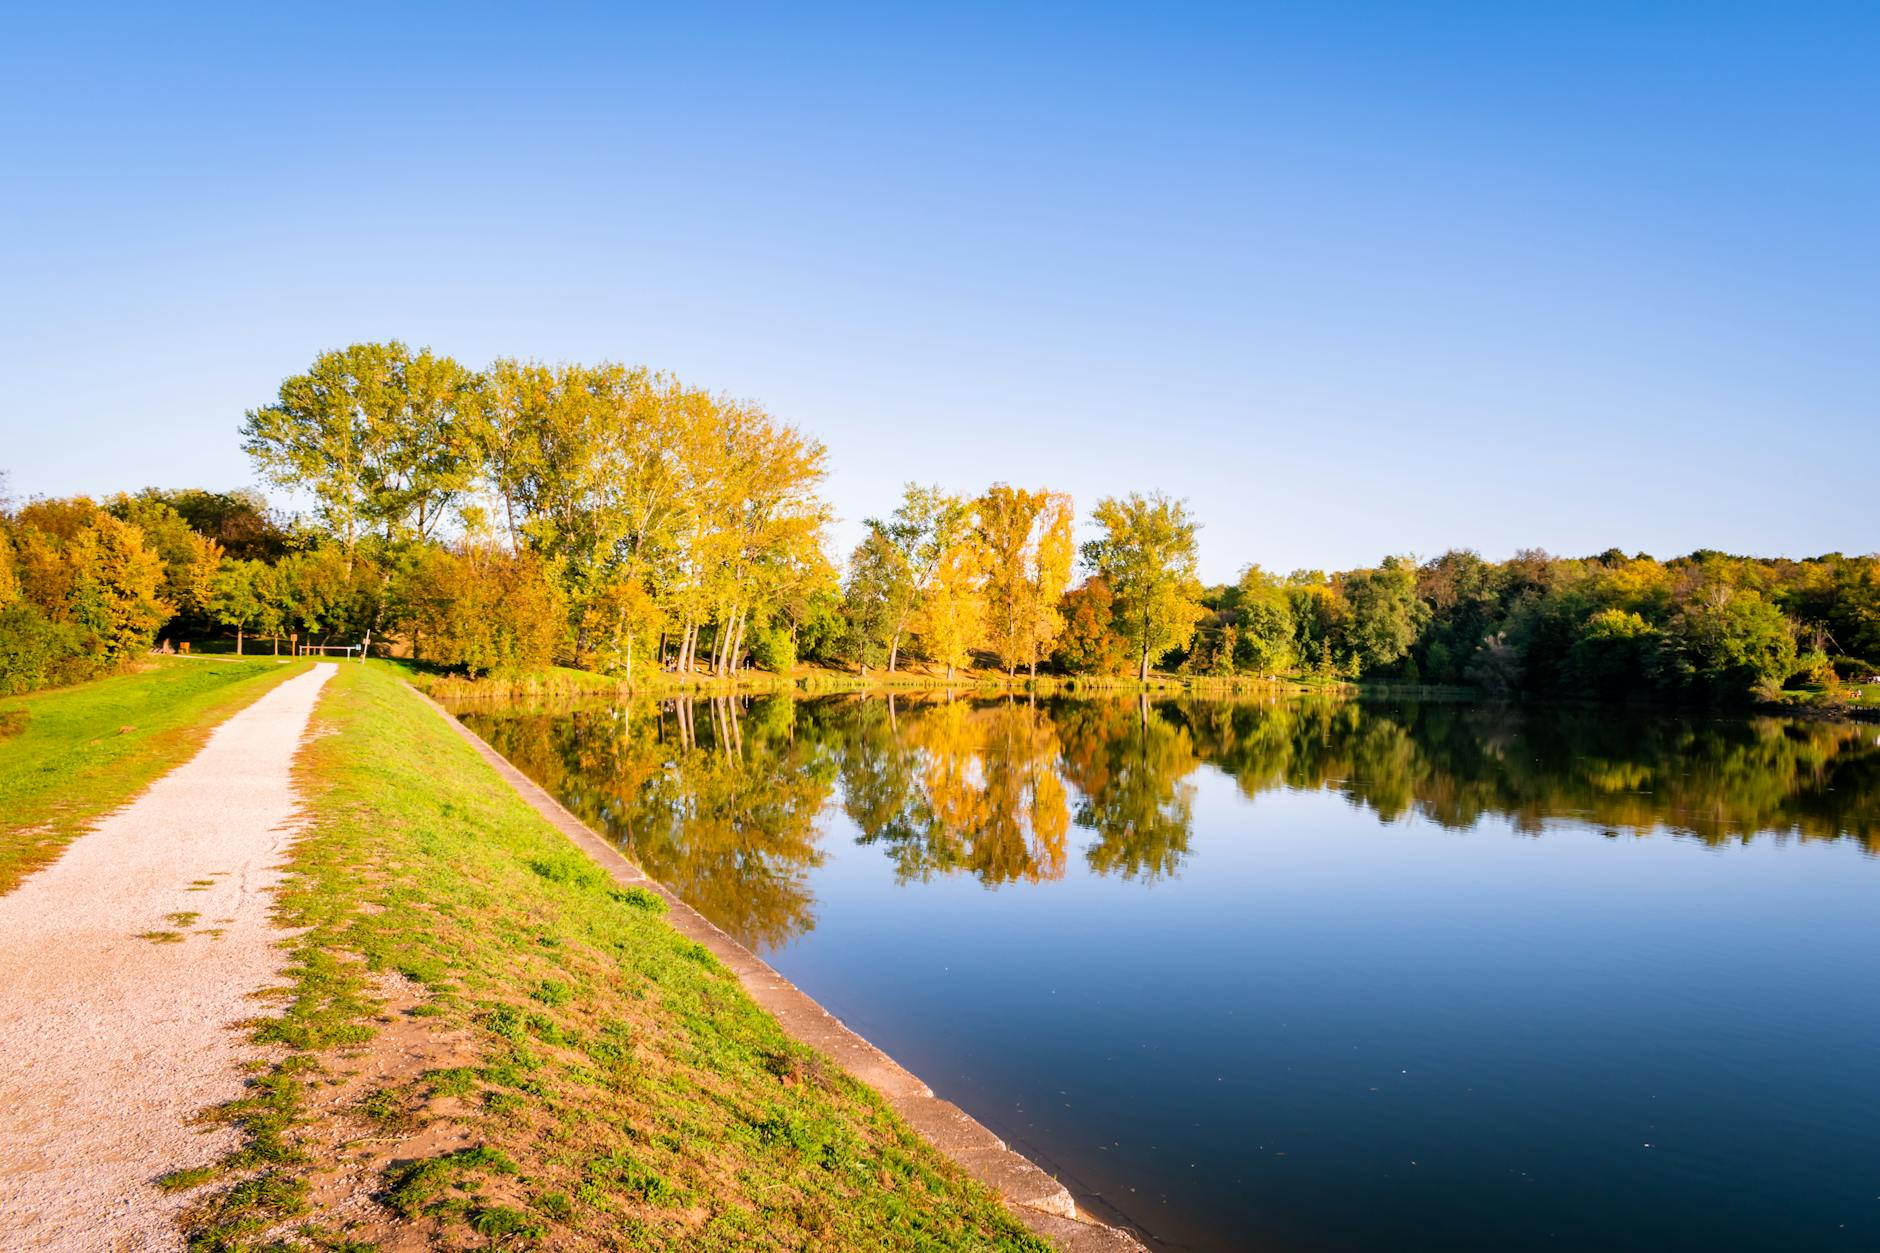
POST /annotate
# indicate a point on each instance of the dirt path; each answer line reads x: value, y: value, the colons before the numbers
x: 110, y: 1041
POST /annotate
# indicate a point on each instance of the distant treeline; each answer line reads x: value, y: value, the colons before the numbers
x: 1706, y: 625
x: 616, y: 519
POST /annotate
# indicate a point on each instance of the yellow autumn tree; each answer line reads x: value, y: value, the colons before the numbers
x: 1025, y: 540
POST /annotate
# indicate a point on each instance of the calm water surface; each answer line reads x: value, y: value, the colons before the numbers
x: 1313, y: 976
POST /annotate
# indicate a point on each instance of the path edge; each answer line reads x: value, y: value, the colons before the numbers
x: 1043, y: 1204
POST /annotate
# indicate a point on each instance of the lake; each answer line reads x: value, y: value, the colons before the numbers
x: 1308, y: 974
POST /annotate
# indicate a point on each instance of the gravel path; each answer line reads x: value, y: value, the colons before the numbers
x: 110, y: 1041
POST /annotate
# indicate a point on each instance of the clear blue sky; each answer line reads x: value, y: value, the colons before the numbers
x: 1352, y: 279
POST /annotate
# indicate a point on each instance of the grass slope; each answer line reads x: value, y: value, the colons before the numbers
x: 619, y: 1090
x: 70, y: 755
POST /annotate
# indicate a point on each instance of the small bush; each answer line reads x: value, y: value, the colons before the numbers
x: 496, y: 1221
x: 552, y: 992
x: 772, y: 649
x: 641, y: 898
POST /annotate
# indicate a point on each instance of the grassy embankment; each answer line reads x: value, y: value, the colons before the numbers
x: 70, y: 755
x: 568, y: 1070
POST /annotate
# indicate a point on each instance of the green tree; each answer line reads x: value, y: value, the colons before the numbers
x: 1385, y: 612
x: 246, y: 597
x: 876, y: 600
x: 375, y: 434
x: 927, y: 530
x: 1735, y: 642
x: 323, y: 594
x: 1147, y: 556
x: 1264, y: 638
x: 1618, y: 654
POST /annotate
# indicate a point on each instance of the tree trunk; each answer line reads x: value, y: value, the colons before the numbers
x: 238, y: 639
x: 894, y: 652
x: 737, y: 641
x: 1142, y: 674
x: 721, y: 644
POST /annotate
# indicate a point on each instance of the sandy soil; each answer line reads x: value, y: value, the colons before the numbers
x: 110, y: 1042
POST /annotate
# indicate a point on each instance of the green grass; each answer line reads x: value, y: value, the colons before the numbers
x: 71, y: 755
x: 624, y: 1091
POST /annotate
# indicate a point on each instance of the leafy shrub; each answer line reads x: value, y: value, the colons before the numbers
x: 481, y: 609
x: 36, y: 652
x: 772, y: 649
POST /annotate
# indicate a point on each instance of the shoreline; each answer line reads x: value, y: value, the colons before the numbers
x: 563, y: 683
x: 1039, y: 1200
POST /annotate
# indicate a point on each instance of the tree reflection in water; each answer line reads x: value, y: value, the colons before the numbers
x: 719, y: 798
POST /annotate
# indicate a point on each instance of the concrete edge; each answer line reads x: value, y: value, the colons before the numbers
x: 1043, y: 1204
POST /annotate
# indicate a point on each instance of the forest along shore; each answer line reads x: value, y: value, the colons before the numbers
x: 617, y: 521
x: 130, y: 961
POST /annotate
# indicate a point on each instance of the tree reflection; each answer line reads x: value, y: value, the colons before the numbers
x: 720, y: 798
x: 1715, y: 779
x: 716, y: 799
x: 1130, y: 766
x: 954, y: 787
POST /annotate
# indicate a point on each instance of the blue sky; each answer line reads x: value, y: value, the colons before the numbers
x: 1352, y: 279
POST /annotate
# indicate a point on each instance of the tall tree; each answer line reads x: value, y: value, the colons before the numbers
x: 1386, y: 613
x: 246, y: 597
x: 1147, y: 556
x: 877, y: 596
x: 375, y: 433
x: 1025, y: 544
x: 1263, y: 641
x: 953, y: 609
x: 926, y: 530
